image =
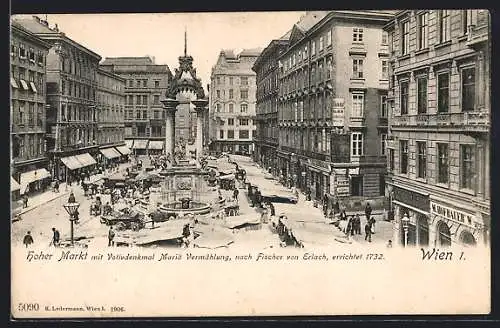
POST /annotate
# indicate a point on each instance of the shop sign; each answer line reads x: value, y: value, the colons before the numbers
x: 340, y: 171
x: 354, y: 171
x: 411, y: 198
x: 338, y: 112
x: 454, y: 215
x: 319, y: 164
x: 342, y: 185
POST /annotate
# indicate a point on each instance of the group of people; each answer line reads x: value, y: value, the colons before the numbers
x: 352, y: 224
x: 55, y: 241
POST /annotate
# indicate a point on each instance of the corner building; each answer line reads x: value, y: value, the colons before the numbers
x: 28, y: 54
x: 266, y: 137
x: 439, y: 149
x: 232, y: 102
x: 71, y: 128
x: 332, y: 106
x: 144, y: 116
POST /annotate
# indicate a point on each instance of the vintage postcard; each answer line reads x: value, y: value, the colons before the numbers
x: 250, y: 164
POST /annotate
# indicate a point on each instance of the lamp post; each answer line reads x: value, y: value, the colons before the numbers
x: 71, y: 207
x: 406, y: 221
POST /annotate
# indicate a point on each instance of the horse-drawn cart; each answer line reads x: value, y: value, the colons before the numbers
x: 125, y: 221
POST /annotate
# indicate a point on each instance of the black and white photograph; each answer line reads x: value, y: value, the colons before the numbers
x: 250, y: 163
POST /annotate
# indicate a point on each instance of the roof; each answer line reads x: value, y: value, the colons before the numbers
x: 127, y: 61
x: 286, y: 36
x: 229, y: 53
x: 25, y: 33
x: 35, y: 25
x: 310, y: 19
x: 250, y: 52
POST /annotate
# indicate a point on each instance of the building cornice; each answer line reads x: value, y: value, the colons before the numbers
x: 23, y: 33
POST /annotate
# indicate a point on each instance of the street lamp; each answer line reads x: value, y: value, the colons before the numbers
x: 71, y: 208
x: 406, y: 221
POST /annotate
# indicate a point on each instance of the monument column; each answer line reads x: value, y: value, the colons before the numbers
x: 170, y: 106
x: 200, y: 107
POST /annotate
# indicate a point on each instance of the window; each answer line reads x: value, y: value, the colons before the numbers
x: 218, y: 80
x: 40, y: 58
x: 467, y: 166
x: 221, y: 134
x: 293, y: 59
x: 138, y: 114
x: 138, y: 100
x: 231, y: 108
x: 313, y: 48
x: 230, y: 121
x: 243, y: 121
x: 391, y: 160
x: 31, y: 114
x: 357, y: 68
x: 138, y: 83
x: 13, y: 50
x: 356, y: 144
x: 156, y: 99
x: 243, y: 108
x: 421, y: 159
x: 444, y: 25
x: 357, y: 105
x: 468, y: 89
x: 130, y: 100
x: 217, y: 108
x: 423, y: 31
x: 329, y: 38
x: 230, y: 93
x: 244, y: 94
x: 218, y: 93
x: 21, y: 146
x: 383, y: 141
x: 357, y: 34
x: 443, y: 92
x: 305, y: 52
x: 22, y: 51
x: 244, y: 134
x: 32, y: 55
x: 403, y: 146
x: 422, y: 95
x: 321, y: 43
x: 231, y: 80
x: 465, y: 21
x: 383, y: 106
x: 144, y: 100
x: 443, y: 176
x: 405, y: 38
x: 130, y: 83
x: 404, y: 97
x: 144, y: 114
x: 244, y: 80
x: 156, y: 114
x: 385, y: 69
x: 157, y: 84
x: 21, y: 113
x: 385, y: 37
x: 230, y: 134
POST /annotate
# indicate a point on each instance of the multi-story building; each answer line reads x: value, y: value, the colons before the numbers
x: 232, y: 102
x: 332, y: 105
x: 110, y: 116
x: 266, y: 138
x: 27, y: 80
x: 146, y: 84
x: 71, y: 95
x: 439, y: 155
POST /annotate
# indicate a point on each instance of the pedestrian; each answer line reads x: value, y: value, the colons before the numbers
x: 358, y: 224
x: 368, y: 211
x: 235, y: 194
x: 111, y: 237
x: 25, y: 201
x: 372, y: 224
x: 55, y: 237
x: 28, y: 240
x: 368, y: 232
x: 336, y: 207
x: 343, y: 215
x: 56, y: 186
x: 353, y: 225
x: 76, y: 216
x: 349, y: 227
x: 71, y: 198
x: 389, y: 244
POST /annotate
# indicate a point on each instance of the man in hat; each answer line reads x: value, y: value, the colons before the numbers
x: 28, y: 239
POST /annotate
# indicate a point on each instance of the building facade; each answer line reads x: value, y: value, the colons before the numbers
x: 71, y: 101
x: 439, y: 157
x: 266, y: 137
x: 28, y: 56
x: 332, y: 105
x: 146, y: 84
x: 110, y: 115
x: 232, y: 102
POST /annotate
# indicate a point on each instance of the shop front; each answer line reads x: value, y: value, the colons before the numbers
x: 34, y: 180
x: 320, y: 176
x: 155, y: 147
x: 456, y: 224
x: 74, y: 165
x: 140, y: 146
x: 109, y: 156
x: 124, y: 151
x: 411, y: 211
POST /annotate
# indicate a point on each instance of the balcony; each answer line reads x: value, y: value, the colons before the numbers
x: 357, y: 122
x: 384, y: 50
x: 478, y: 122
x: 477, y: 35
x: 357, y: 83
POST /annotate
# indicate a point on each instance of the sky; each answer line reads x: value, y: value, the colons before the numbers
x: 162, y: 35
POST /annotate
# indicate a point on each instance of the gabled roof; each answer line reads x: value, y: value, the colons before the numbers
x: 34, y: 25
x: 286, y: 36
x: 127, y: 61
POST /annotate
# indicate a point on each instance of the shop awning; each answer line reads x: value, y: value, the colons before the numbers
x: 155, y: 144
x: 14, y: 185
x: 227, y: 177
x: 13, y: 83
x: 110, y: 153
x: 129, y: 143
x: 85, y: 159
x: 140, y: 144
x: 71, y: 162
x: 32, y: 176
x: 33, y: 87
x: 124, y: 150
x: 24, y: 85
